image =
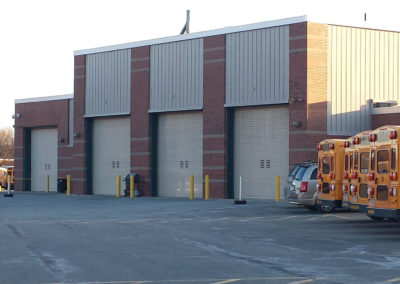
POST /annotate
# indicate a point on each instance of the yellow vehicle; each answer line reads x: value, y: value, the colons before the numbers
x: 330, y: 171
x: 383, y: 177
x: 347, y: 169
x: 3, y: 177
x: 356, y: 198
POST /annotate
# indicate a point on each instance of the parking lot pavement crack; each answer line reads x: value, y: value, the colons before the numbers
x: 277, y: 264
x: 58, y: 267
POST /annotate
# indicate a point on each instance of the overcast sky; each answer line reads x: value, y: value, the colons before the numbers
x: 38, y: 37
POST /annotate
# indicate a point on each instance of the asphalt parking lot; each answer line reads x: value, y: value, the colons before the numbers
x: 50, y: 238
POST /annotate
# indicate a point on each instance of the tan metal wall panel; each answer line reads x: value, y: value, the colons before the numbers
x: 44, y: 155
x: 261, y: 143
x: 111, y: 153
x: 176, y: 76
x: 180, y: 154
x: 257, y: 67
x: 362, y: 65
x: 108, y: 80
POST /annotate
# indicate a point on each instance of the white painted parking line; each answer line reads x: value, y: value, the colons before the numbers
x: 285, y: 218
x: 306, y: 281
x: 250, y: 219
x: 394, y: 280
x: 226, y: 281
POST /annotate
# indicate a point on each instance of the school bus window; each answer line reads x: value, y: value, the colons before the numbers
x: 346, y: 162
x: 393, y: 162
x: 383, y: 161
x: 319, y: 164
x: 356, y: 160
x: 333, y: 163
x: 351, y: 162
x: 372, y: 160
x: 325, y: 165
x: 364, y: 161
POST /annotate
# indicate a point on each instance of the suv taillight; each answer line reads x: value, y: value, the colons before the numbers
x: 303, y: 186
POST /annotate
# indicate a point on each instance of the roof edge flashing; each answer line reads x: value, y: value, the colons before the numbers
x: 44, y: 99
x: 227, y: 30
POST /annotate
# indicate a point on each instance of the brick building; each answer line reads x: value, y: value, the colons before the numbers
x: 244, y: 101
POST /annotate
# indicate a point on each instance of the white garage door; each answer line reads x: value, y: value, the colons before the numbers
x: 111, y: 154
x: 44, y: 158
x: 261, y: 146
x: 180, y: 154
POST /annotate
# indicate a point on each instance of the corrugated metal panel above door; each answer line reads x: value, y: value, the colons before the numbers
x: 108, y: 81
x: 176, y: 76
x: 257, y: 67
x: 363, y: 64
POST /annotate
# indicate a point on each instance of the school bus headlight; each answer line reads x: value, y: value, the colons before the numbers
x: 332, y: 187
x: 393, y: 191
x: 345, y: 188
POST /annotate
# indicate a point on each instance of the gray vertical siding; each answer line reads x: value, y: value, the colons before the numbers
x: 363, y: 64
x: 176, y: 76
x: 257, y: 67
x: 108, y: 79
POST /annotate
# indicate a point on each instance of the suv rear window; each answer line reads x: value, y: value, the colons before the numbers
x: 300, y: 173
x: 314, y: 174
x: 294, y: 170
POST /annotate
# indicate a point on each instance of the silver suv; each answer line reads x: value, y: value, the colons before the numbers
x: 303, y: 187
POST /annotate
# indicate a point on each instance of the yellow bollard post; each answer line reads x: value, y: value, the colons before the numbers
x: 207, y: 188
x: 191, y: 187
x: 278, y: 188
x: 132, y: 187
x: 118, y: 185
x: 47, y: 183
x: 68, y: 185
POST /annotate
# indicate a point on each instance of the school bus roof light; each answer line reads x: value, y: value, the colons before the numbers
x: 319, y: 176
x: 346, y: 144
x: 319, y: 147
x: 393, y: 176
x: 331, y: 146
x: 393, y: 134
x: 354, y: 175
x: 345, y: 175
x: 356, y: 140
x: 372, y: 137
x: 332, y: 175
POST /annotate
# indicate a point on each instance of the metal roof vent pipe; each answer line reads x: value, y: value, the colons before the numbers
x: 186, y: 26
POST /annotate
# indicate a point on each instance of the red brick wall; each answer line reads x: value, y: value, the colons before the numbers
x: 214, y: 121
x: 140, y: 120
x: 41, y: 114
x: 78, y: 163
x: 378, y: 120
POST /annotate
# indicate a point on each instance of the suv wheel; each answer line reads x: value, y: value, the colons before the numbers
x: 327, y: 208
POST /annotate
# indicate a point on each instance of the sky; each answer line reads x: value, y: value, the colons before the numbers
x: 38, y: 38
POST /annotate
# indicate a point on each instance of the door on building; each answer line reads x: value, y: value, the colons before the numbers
x: 111, y: 153
x: 180, y: 154
x: 44, y: 158
x: 261, y: 149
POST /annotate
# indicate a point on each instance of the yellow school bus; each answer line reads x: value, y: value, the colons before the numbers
x: 383, y: 177
x: 347, y: 170
x: 330, y: 173
x: 356, y: 199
